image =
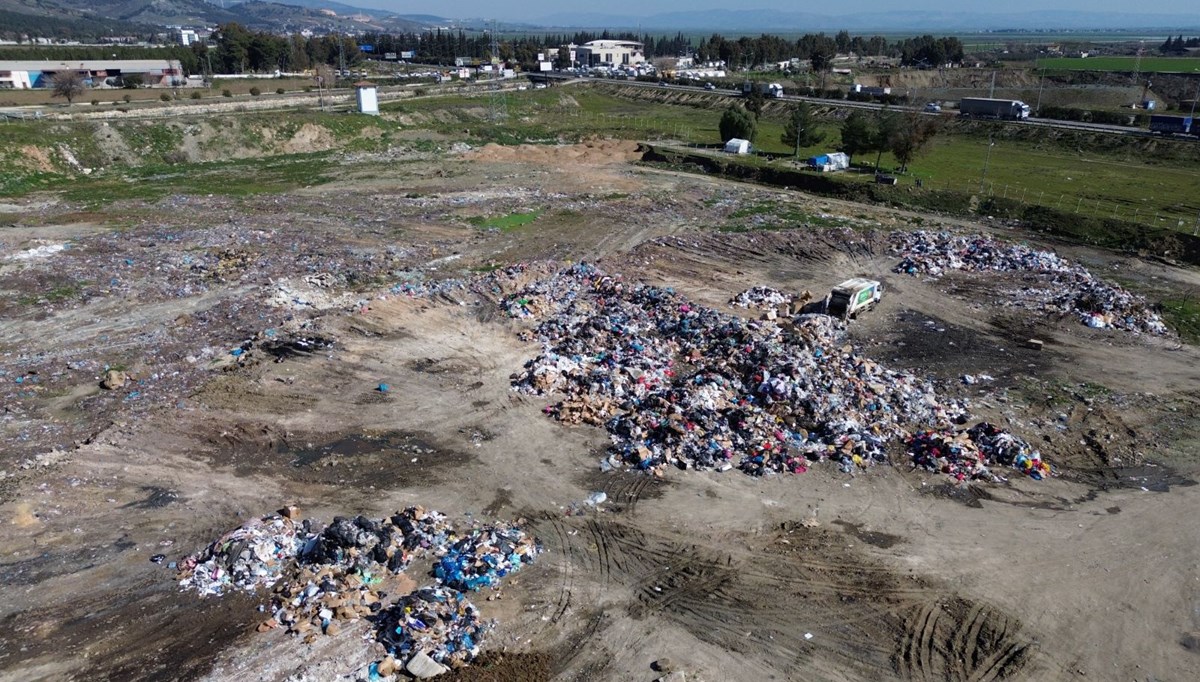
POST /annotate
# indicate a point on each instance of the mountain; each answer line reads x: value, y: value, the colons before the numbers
x: 289, y: 15
x: 777, y: 21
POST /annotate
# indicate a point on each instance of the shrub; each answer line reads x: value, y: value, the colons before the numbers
x: 279, y: 91
x: 255, y: 92
x: 227, y: 93
x: 127, y: 98
x: 165, y: 97
x: 308, y: 88
x: 195, y: 94
x: 95, y: 102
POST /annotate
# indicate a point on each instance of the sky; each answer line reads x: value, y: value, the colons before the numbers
x: 528, y: 10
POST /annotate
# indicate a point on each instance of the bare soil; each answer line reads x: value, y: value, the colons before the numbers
x: 890, y: 574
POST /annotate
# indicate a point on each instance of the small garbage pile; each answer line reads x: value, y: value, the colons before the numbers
x: 349, y: 569
x: 678, y: 384
x: 969, y: 454
x: 1069, y: 289
x: 760, y: 297
x: 246, y: 558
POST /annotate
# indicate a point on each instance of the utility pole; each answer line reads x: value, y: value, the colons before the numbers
x: 1037, y: 110
x: 992, y: 94
x: 986, y: 159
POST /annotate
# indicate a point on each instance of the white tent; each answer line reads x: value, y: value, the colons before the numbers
x: 738, y: 146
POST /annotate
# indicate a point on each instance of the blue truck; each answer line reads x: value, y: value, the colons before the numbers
x: 1173, y: 125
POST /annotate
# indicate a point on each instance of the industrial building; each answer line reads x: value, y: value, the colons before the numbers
x: 610, y: 53
x: 22, y: 75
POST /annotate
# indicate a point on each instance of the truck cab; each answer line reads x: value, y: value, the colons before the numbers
x: 853, y: 296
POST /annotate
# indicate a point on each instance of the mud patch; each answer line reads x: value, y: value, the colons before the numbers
x: 156, y: 498
x: 497, y: 666
x: 873, y: 538
x: 624, y: 488
x: 391, y: 459
x: 958, y: 639
x: 146, y: 640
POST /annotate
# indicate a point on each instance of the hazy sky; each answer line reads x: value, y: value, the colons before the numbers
x: 535, y: 9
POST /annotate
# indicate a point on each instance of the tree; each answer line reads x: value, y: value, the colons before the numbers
x: 858, y: 135
x: 821, y: 57
x: 912, y: 136
x: 755, y: 99
x: 737, y: 122
x: 801, y: 129
x: 68, y: 85
x: 885, y: 125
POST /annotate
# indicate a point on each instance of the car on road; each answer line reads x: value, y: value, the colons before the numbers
x: 933, y: 108
x: 709, y: 86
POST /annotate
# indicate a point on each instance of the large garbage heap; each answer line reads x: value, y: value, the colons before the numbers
x: 344, y: 571
x: 678, y: 384
x: 1069, y: 288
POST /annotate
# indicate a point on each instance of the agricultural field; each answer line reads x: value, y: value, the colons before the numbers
x: 1122, y: 64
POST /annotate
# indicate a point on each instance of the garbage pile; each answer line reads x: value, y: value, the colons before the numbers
x: 347, y: 570
x: 760, y: 297
x: 251, y: 556
x: 970, y: 453
x: 678, y: 384
x: 1070, y: 288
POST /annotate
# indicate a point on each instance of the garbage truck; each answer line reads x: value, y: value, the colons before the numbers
x: 852, y: 297
x: 984, y: 107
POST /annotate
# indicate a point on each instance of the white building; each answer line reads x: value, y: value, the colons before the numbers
x: 368, y: 99
x: 610, y: 53
x: 96, y: 73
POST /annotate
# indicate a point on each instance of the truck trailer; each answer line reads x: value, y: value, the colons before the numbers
x: 769, y: 90
x: 983, y: 107
x: 1173, y: 125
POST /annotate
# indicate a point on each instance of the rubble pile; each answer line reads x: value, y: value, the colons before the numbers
x: 760, y: 297
x: 679, y: 384
x: 347, y: 570
x: 1069, y: 288
x: 970, y: 453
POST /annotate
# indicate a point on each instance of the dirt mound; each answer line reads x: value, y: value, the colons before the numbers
x: 594, y: 152
x: 309, y: 138
x: 36, y: 158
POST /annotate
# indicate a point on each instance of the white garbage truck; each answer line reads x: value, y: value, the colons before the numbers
x: 853, y: 296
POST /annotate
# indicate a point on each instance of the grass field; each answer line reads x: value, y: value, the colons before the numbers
x: 1123, y: 64
x: 1071, y: 179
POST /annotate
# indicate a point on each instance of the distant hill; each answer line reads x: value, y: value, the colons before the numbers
x: 786, y: 21
x: 290, y: 15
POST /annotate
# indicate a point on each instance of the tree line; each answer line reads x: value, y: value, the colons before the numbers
x: 1178, y: 46
x: 906, y: 134
x: 820, y: 49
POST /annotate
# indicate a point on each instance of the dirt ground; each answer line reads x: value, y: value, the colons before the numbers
x: 889, y: 574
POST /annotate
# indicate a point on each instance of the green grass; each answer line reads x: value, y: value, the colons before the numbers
x: 506, y: 223
x: 1071, y: 180
x: 1123, y: 64
x: 241, y: 177
x: 1183, y: 315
